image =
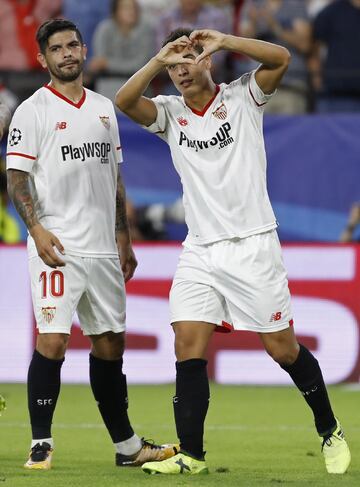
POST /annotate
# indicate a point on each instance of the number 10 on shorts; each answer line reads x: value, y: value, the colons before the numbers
x: 53, y: 283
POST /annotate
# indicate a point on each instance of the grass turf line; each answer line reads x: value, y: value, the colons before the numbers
x: 256, y: 436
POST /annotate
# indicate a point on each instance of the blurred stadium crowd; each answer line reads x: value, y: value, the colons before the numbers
x: 323, y: 37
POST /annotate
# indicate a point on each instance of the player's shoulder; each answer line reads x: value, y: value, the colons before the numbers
x: 94, y: 97
x: 242, y: 81
x: 33, y: 103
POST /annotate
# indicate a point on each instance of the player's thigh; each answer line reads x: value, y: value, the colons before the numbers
x: 192, y: 339
x: 192, y: 295
x: 194, y: 301
x: 252, y: 278
x: 56, y: 293
x: 102, y: 307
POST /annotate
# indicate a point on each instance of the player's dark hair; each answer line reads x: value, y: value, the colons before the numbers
x: 50, y: 27
x: 177, y: 33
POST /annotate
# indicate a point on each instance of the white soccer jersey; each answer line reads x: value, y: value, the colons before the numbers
x: 72, y: 153
x: 220, y: 156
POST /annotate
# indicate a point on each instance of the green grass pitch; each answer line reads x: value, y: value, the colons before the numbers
x: 255, y: 436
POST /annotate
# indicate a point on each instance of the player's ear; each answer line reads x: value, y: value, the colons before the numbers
x: 42, y: 60
x: 85, y: 50
x: 208, y: 62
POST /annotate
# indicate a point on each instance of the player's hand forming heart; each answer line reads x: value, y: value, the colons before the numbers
x: 210, y: 40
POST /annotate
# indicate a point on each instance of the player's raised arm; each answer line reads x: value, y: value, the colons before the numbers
x: 20, y: 193
x: 130, y: 100
x: 274, y: 59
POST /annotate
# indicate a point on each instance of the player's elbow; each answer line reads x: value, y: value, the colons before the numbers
x: 286, y: 57
x: 122, y: 101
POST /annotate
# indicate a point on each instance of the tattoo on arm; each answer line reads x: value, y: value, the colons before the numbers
x: 20, y: 193
x: 121, y: 222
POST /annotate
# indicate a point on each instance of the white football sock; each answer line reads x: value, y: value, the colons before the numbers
x: 130, y: 446
x: 42, y: 440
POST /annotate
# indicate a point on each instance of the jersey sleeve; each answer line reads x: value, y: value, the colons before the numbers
x: 247, y: 88
x: 254, y: 92
x: 23, y: 139
x: 115, y: 136
x: 160, y: 124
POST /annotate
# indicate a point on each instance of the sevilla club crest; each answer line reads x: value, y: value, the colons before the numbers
x: 48, y: 313
x: 105, y: 121
x: 220, y: 112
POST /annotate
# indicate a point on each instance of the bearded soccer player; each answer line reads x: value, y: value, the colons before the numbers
x: 63, y: 177
x: 231, y: 267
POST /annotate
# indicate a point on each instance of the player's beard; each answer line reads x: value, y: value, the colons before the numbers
x: 63, y: 74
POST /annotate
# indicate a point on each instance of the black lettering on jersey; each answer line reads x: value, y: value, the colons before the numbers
x: 88, y: 150
x: 203, y: 144
x: 65, y: 150
x: 222, y: 138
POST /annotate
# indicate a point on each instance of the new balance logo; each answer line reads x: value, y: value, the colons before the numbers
x: 60, y: 126
x: 275, y: 316
x: 182, y: 121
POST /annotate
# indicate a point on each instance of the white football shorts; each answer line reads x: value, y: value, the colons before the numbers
x: 94, y: 287
x: 242, y: 282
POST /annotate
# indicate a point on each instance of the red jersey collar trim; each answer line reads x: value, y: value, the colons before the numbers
x: 57, y: 93
x: 202, y: 112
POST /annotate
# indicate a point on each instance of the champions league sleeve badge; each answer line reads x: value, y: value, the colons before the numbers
x: 105, y: 121
x: 14, y: 137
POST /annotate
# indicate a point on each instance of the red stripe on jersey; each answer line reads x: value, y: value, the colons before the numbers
x: 252, y: 96
x: 202, y: 112
x: 21, y: 155
x: 60, y: 95
x: 291, y: 323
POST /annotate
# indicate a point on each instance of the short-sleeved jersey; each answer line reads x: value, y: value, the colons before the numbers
x: 220, y: 156
x: 71, y: 152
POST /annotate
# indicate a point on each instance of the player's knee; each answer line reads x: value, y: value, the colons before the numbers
x: 283, y: 356
x: 109, y: 346
x: 52, y: 346
x: 186, y: 348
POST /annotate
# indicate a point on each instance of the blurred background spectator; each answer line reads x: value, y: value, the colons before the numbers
x: 348, y: 235
x: 153, y: 9
x: 336, y: 59
x: 122, y: 44
x: 86, y: 15
x: 19, y: 21
x: 286, y: 23
x: 315, y: 6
